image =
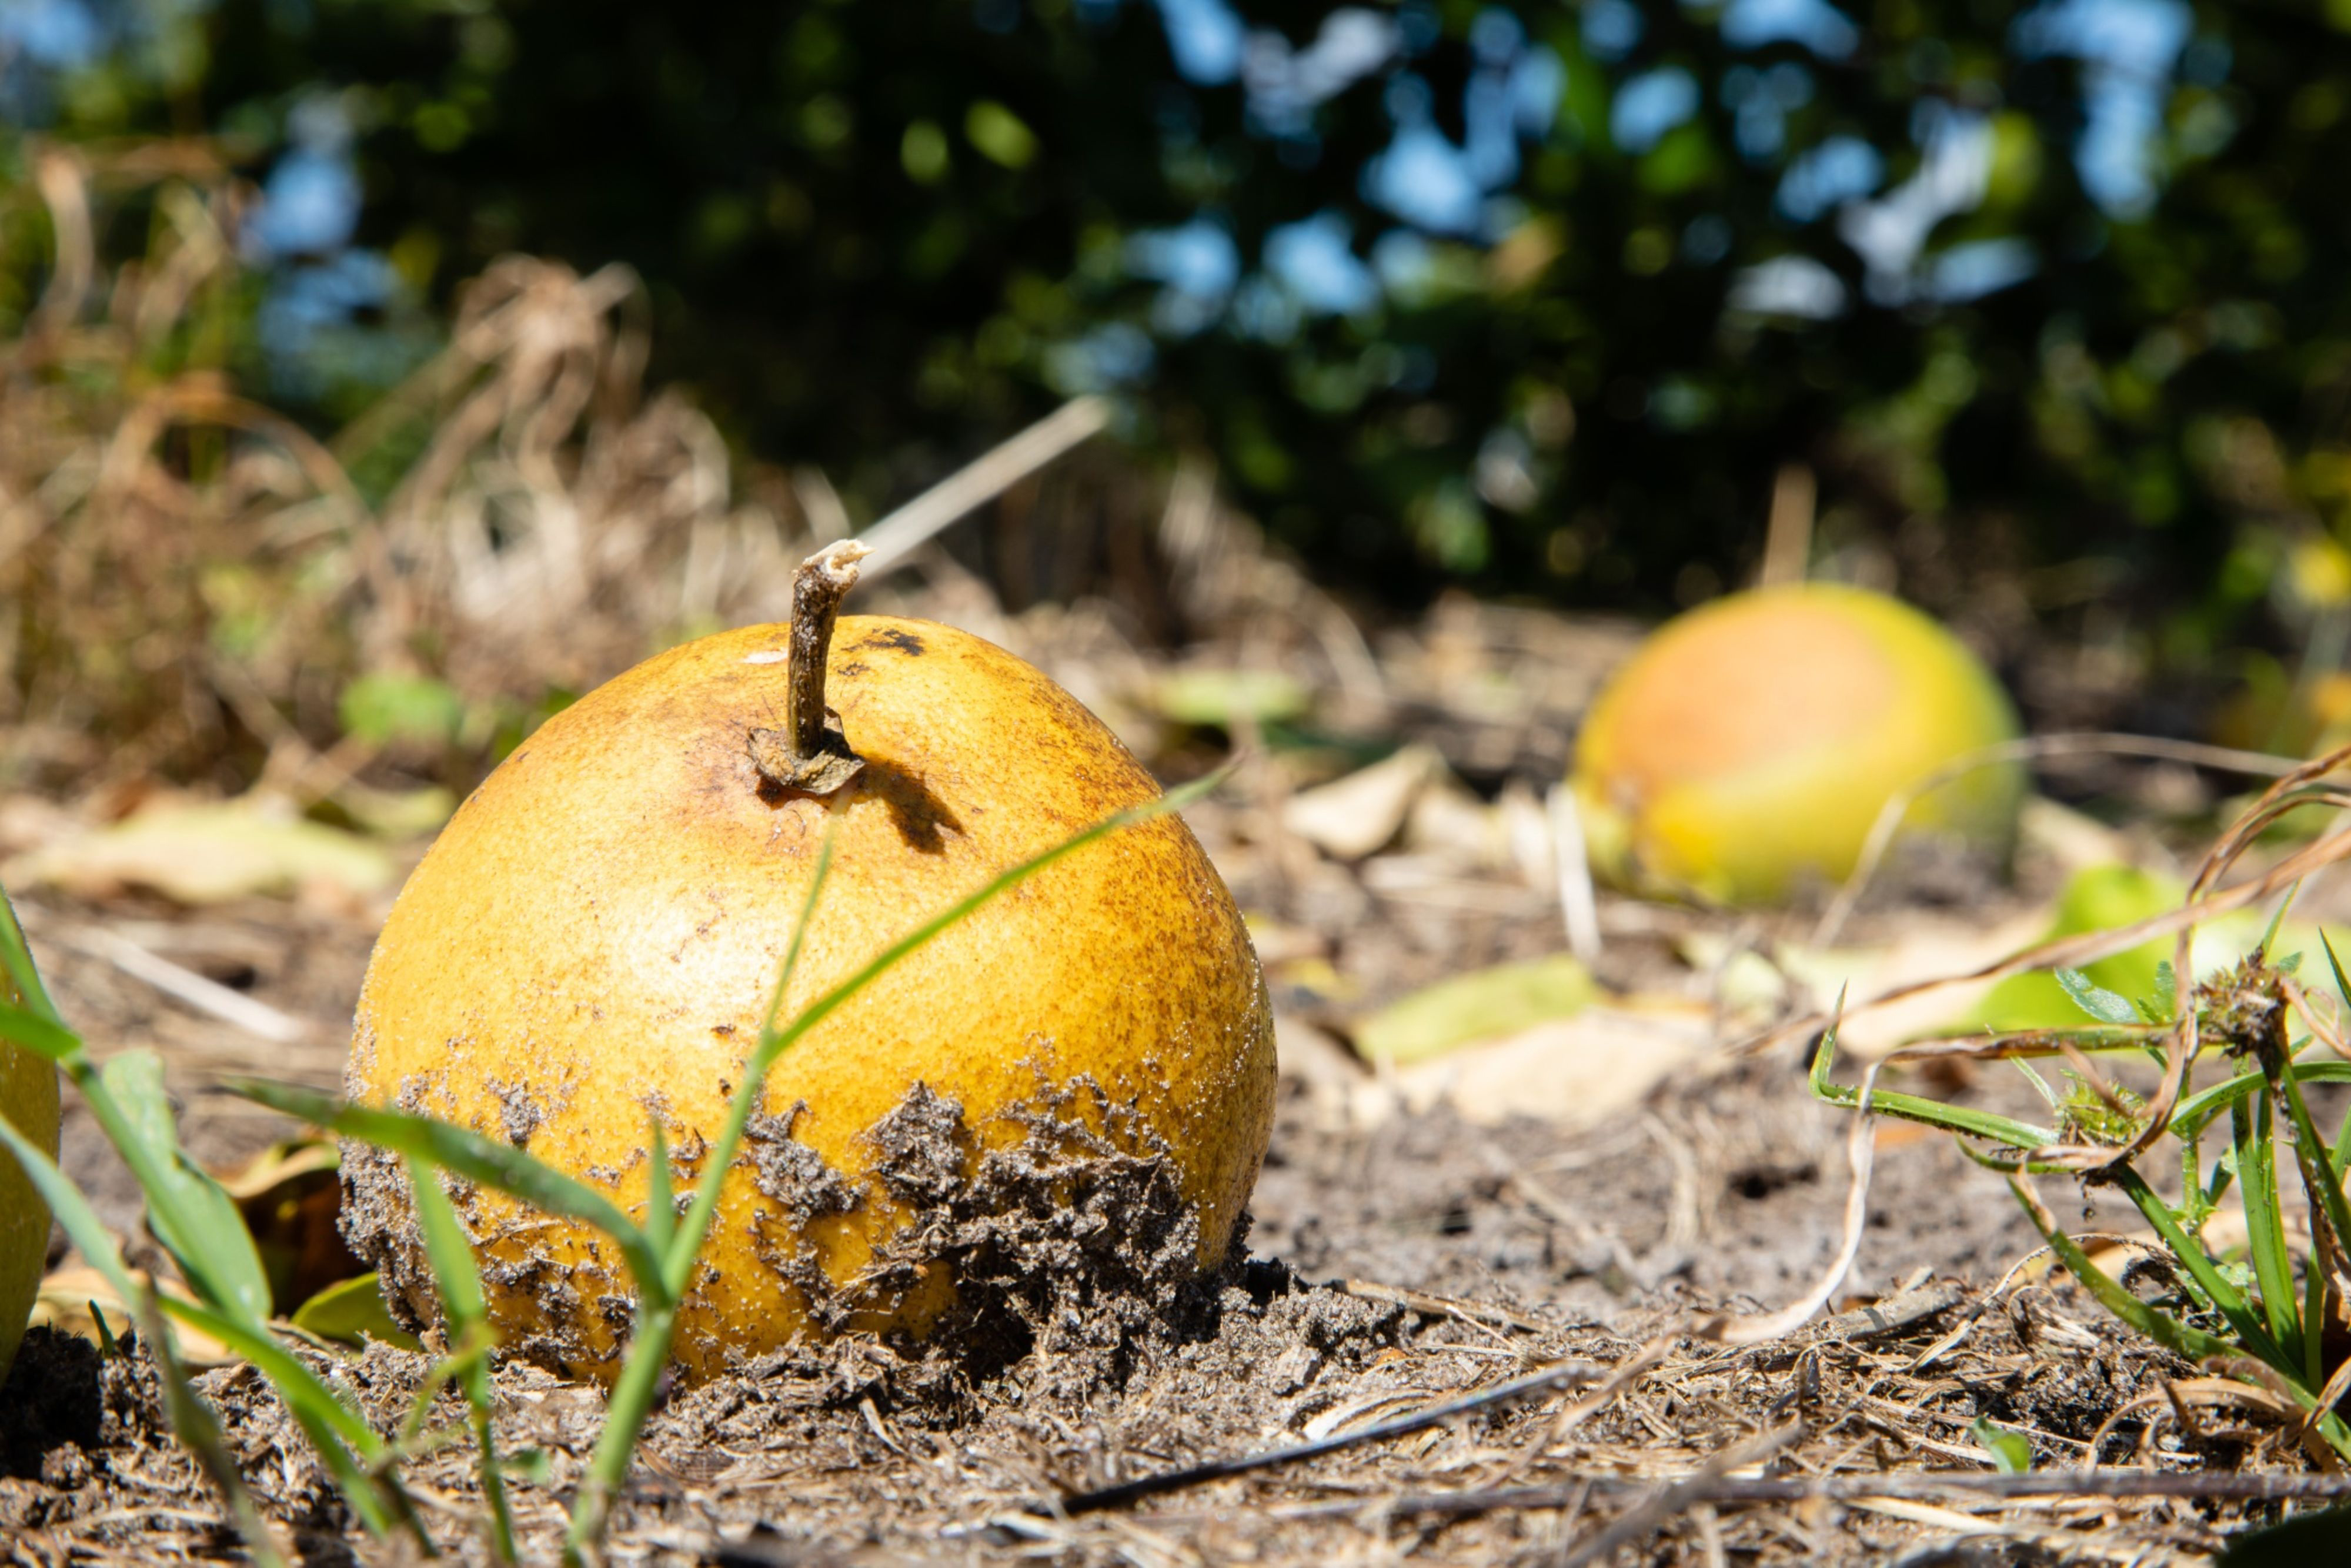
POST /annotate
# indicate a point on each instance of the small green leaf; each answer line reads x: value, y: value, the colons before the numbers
x: 532, y: 1465
x: 454, y: 1271
x: 2011, y: 1452
x: 381, y: 708
x: 2094, y: 999
x: 352, y: 1310
x: 1227, y: 699
x: 196, y: 1222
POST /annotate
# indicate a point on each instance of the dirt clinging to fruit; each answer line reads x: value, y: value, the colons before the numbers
x: 1062, y: 1222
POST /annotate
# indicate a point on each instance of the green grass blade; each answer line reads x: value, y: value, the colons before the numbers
x: 2188, y: 1117
x: 301, y: 1387
x: 2256, y: 1145
x: 1991, y: 1128
x: 2335, y: 965
x: 2320, y: 1173
x: 192, y: 1420
x: 198, y: 1429
x: 774, y: 1044
x: 2277, y: 921
x: 334, y: 1429
x: 2314, y: 1324
x: 825, y: 850
x: 458, y: 1278
x: 2204, y: 1273
x: 2161, y: 1327
x: 16, y: 960
x: 456, y: 1273
x: 192, y: 1217
x: 687, y: 1244
x: 36, y: 1034
x: 624, y: 1419
x: 1984, y: 1124
x: 493, y: 1164
x: 661, y: 1196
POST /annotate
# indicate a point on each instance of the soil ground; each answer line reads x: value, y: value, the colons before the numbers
x: 1401, y: 1262
x: 1392, y: 1267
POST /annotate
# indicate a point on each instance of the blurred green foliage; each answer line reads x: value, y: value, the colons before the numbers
x: 881, y: 236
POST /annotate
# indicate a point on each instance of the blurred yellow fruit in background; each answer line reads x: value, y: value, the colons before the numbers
x: 1748, y: 748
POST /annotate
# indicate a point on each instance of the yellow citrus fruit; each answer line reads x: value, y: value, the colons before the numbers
x: 28, y: 1098
x: 1749, y: 746
x: 592, y: 941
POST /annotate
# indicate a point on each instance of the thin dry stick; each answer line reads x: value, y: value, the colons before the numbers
x: 2221, y: 1486
x: 1861, y: 1149
x: 2031, y: 749
x: 1788, y: 534
x: 1891, y: 1315
x: 1557, y: 1375
x: 257, y: 1018
x: 1578, y: 908
x: 1421, y: 1302
x: 1676, y: 1497
x: 898, y: 535
x: 1629, y: 1371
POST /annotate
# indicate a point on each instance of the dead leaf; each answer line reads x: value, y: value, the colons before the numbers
x: 207, y: 853
x: 1575, y: 1072
x: 1484, y: 1004
x: 1226, y: 698
x: 1353, y: 817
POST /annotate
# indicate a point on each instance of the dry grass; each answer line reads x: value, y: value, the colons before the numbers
x: 186, y: 576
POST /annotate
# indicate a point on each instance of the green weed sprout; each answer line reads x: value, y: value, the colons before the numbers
x: 200, y: 1228
x: 2225, y: 1309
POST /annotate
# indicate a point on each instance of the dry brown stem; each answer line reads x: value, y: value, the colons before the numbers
x: 811, y: 754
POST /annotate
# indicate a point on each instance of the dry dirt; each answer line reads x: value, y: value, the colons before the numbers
x: 1390, y: 1269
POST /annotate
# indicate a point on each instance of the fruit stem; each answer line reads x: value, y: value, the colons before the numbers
x: 809, y: 754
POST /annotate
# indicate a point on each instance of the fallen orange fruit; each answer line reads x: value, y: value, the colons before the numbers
x: 592, y: 941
